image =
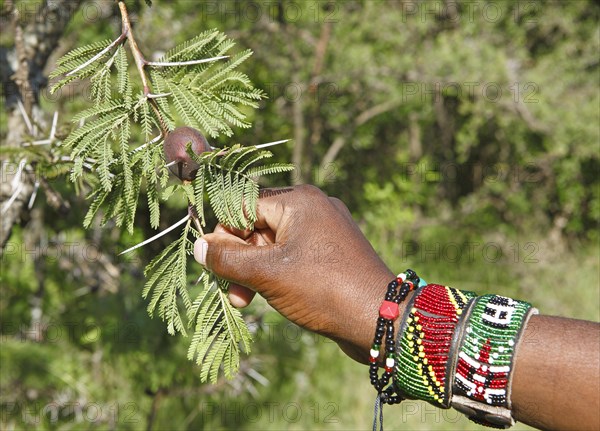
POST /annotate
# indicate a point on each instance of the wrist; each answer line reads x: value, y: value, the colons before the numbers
x: 358, y: 331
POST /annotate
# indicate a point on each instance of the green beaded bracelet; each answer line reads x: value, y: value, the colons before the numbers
x: 486, y: 353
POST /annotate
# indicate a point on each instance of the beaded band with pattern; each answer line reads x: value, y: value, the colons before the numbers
x: 482, y: 380
x: 423, y: 349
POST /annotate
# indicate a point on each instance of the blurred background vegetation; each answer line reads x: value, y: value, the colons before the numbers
x: 463, y: 136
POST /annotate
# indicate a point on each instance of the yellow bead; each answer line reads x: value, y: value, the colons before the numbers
x: 430, y: 368
x: 422, y: 335
x: 411, y: 329
x: 435, y: 397
x: 421, y: 354
x: 419, y: 341
x: 416, y: 358
x: 416, y: 318
x: 440, y: 401
x: 425, y: 361
x: 411, y: 343
x: 442, y: 389
x: 414, y: 310
x: 409, y: 320
x: 420, y: 348
x: 419, y: 327
x: 437, y: 384
x: 459, y: 311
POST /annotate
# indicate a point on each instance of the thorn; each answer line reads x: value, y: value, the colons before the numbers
x: 171, y: 163
x: 25, y: 116
x: 8, y: 203
x: 40, y: 142
x: 16, y: 181
x: 34, y: 194
x: 270, y: 144
x: 164, y: 232
x: 156, y: 96
x: 184, y: 63
x: 53, y: 129
x: 114, y: 43
x: 147, y: 144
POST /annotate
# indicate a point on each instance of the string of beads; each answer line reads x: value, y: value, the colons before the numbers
x: 397, y: 291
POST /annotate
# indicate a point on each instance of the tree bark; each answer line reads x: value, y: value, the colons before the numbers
x: 36, y: 36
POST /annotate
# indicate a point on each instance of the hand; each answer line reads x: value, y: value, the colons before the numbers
x: 309, y: 260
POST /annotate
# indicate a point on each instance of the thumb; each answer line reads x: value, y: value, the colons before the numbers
x: 232, y: 258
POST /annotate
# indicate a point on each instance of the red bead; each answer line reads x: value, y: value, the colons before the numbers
x: 389, y: 310
x: 389, y: 369
x: 372, y: 359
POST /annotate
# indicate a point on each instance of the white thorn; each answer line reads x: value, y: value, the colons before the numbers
x: 258, y: 377
x: 34, y: 194
x: 40, y: 142
x: 270, y: 144
x: 164, y: 232
x: 97, y: 56
x: 183, y: 63
x: 12, y: 198
x: 53, y: 128
x: 171, y: 163
x: 156, y: 96
x: 25, y: 116
x: 16, y: 181
x: 147, y: 144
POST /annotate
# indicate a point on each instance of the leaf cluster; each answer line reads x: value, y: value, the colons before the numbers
x: 208, y: 95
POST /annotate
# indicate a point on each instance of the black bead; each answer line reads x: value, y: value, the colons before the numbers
x: 410, y: 273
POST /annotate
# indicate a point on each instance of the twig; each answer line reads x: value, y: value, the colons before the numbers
x: 164, y: 232
x: 183, y: 63
x: 114, y: 43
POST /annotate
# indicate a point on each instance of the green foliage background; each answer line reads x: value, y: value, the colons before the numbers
x: 446, y: 166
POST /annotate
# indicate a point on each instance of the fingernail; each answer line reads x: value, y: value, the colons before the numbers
x: 200, y: 249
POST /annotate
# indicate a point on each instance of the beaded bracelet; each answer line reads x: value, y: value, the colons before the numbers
x: 486, y: 352
x: 424, y: 347
x: 388, y: 313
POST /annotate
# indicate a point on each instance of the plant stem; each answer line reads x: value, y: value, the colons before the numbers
x: 140, y: 63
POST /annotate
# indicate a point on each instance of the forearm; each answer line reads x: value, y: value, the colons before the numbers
x: 556, y: 381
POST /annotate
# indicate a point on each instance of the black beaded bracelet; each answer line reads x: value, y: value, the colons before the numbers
x: 388, y: 313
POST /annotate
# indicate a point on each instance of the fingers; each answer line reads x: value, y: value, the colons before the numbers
x: 234, y: 259
x: 240, y: 296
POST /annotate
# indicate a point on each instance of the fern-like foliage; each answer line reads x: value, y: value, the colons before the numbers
x: 219, y: 330
x: 227, y: 175
x: 167, y: 279
x: 116, y: 146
